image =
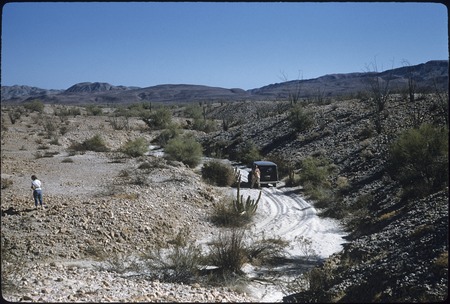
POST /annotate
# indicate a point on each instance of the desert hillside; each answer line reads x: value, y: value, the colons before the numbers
x: 106, y: 205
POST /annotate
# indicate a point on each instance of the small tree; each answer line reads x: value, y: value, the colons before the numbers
x: 185, y: 149
x: 379, y: 90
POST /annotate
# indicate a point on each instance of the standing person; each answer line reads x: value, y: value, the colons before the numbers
x: 36, y: 185
x: 256, y: 177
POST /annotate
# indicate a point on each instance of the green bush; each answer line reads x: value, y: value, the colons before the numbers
x: 204, y: 125
x: 159, y: 119
x: 172, y: 131
x: 94, y: 143
x: 300, y: 119
x: 185, y: 149
x: 315, y: 171
x: 419, y: 160
x: 218, y: 174
x: 135, y: 148
x: 94, y: 110
x: 248, y: 153
x: 34, y: 106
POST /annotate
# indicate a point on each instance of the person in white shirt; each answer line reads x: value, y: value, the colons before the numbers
x: 36, y: 185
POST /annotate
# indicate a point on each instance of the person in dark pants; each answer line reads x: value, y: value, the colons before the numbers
x: 36, y: 185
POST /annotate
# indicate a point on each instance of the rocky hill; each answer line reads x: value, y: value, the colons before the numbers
x: 426, y: 75
x: 398, y: 248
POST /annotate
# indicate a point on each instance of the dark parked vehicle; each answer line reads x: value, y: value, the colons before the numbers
x: 269, y: 173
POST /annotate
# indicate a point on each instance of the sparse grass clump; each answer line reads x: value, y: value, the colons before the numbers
x: 178, y: 262
x: 225, y: 215
x: 228, y: 251
x: 6, y: 183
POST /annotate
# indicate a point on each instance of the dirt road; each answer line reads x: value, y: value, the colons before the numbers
x: 282, y: 212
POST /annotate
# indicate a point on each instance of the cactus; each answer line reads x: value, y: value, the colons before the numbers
x: 248, y: 206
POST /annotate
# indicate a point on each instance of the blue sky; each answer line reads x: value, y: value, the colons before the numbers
x: 224, y: 44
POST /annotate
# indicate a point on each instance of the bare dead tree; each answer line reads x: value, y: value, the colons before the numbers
x: 293, y: 94
x: 441, y: 101
x: 411, y: 89
x: 379, y: 91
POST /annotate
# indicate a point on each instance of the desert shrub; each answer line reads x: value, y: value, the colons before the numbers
x: 419, y: 160
x: 6, y: 182
x: 67, y: 111
x: 300, y: 119
x: 185, y: 149
x: 315, y: 171
x: 224, y: 214
x: 119, y: 122
x: 228, y: 251
x: 135, y: 148
x: 248, y: 153
x: 204, y: 125
x: 266, y: 250
x: 95, y: 143
x: 179, y: 262
x: 54, y: 141
x: 159, y: 119
x: 34, y: 106
x: 194, y: 111
x: 217, y: 173
x: 359, y: 211
x: 238, y: 212
x: 15, y: 113
x: 145, y: 166
x: 94, y: 110
x: 315, y: 175
x: 167, y: 134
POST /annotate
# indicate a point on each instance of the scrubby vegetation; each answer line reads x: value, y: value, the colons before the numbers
x: 185, y: 149
x: 135, y: 148
x: 95, y: 143
x: 219, y: 174
x: 419, y: 160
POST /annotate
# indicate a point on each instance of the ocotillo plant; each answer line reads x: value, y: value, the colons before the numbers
x: 248, y: 206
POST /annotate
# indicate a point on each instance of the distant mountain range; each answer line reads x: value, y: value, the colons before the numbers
x: 426, y: 76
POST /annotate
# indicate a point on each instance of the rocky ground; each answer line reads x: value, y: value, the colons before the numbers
x: 101, y: 207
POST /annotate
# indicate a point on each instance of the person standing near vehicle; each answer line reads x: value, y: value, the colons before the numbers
x: 256, y: 177
x: 36, y: 185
